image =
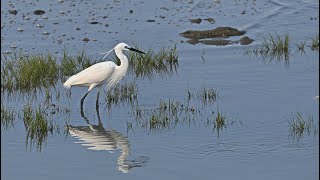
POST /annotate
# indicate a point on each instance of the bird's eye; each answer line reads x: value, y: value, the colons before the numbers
x: 126, y: 47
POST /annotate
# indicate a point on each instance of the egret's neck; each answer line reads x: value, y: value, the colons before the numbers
x: 123, y: 58
x: 121, y: 70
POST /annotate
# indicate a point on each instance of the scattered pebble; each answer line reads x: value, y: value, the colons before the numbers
x: 14, y: 12
x: 245, y: 40
x: 151, y: 20
x: 85, y: 39
x: 20, y: 30
x: 7, y: 52
x: 39, y: 12
x: 39, y: 25
x: 94, y: 22
x: 210, y: 20
x: 45, y: 33
x: 131, y: 11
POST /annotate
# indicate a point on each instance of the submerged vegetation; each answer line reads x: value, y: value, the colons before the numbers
x: 169, y: 113
x: 7, y: 117
x: 273, y: 46
x: 121, y: 93
x: 37, y: 126
x: 278, y: 47
x: 299, y: 125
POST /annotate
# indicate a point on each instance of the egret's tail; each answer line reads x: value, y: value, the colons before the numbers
x: 69, y: 82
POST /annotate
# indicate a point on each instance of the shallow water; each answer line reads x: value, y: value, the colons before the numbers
x: 259, y: 95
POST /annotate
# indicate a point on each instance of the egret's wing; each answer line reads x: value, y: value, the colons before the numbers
x: 96, y: 73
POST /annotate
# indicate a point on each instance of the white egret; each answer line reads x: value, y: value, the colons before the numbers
x: 102, y: 73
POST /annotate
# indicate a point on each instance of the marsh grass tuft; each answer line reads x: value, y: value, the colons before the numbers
x: 122, y: 93
x: 299, y: 125
x: 25, y: 73
x: 169, y: 113
x: 37, y: 126
x: 208, y: 95
x: 72, y: 64
x: 219, y: 122
x: 276, y: 46
x: 7, y: 117
x: 300, y: 47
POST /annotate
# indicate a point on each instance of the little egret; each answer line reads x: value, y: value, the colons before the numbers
x: 102, y: 73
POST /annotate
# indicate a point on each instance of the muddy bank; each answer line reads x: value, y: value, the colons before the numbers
x: 221, y: 32
x: 216, y: 36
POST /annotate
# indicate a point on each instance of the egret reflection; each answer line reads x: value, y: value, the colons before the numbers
x: 96, y: 137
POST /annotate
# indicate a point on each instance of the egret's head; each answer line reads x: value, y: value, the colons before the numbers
x: 121, y: 47
x: 126, y: 47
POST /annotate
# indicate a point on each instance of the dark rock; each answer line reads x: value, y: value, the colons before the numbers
x: 151, y: 20
x: 131, y: 11
x: 196, y: 21
x: 85, y: 39
x: 214, y: 33
x: 39, y: 12
x: 243, y: 12
x: 14, y: 12
x: 94, y: 22
x: 210, y: 20
x: 245, y: 40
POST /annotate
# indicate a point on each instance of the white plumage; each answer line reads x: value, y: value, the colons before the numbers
x: 92, y: 76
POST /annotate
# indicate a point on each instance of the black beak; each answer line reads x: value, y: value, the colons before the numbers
x: 136, y: 50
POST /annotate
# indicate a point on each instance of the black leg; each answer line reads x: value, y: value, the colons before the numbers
x: 81, y: 103
x: 97, y: 101
x: 97, y: 104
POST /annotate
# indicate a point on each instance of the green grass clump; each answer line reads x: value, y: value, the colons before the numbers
x: 37, y: 126
x: 25, y: 73
x: 7, y: 117
x: 71, y: 65
x: 219, y: 122
x: 273, y: 46
x: 299, y: 125
x: 276, y: 46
